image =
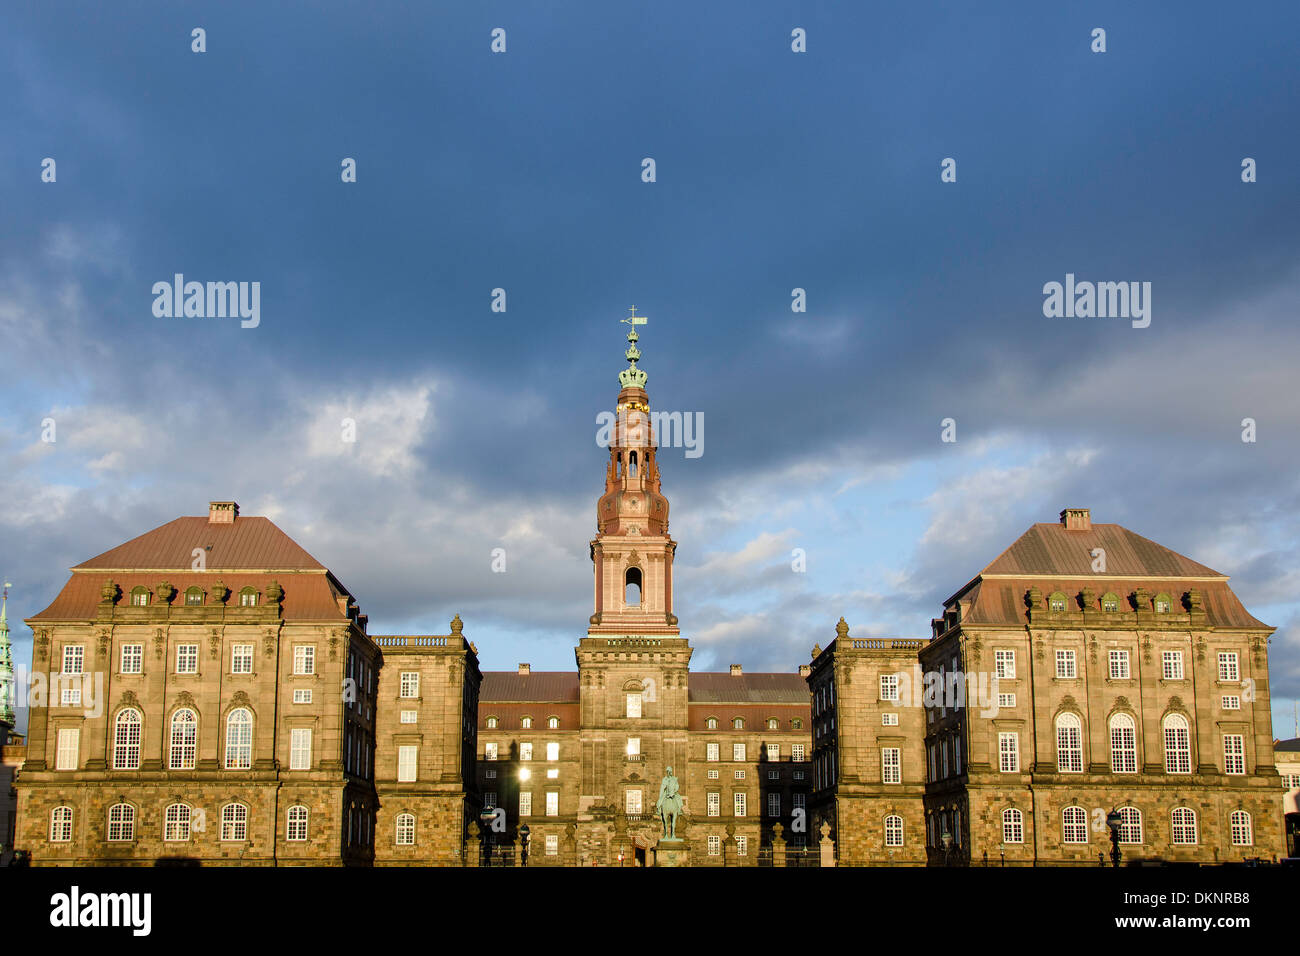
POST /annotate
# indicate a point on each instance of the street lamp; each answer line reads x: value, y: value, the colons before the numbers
x: 523, y: 840
x: 1113, y: 820
x: 946, y: 840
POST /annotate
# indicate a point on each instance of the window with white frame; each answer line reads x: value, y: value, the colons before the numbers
x: 492, y: 723
x: 234, y: 822
x: 248, y: 598
x: 404, y: 829
x: 797, y: 753
x: 553, y: 723
x: 891, y: 765
x: 184, y: 743
x: 1130, y: 826
x: 67, y: 755
x: 1074, y: 825
x: 1013, y: 826
x: 1123, y: 744
x: 552, y: 752
x: 1004, y: 664
x: 1069, y: 744
x: 300, y: 748
x: 126, y: 739
x: 773, y: 751
x: 1229, y: 672
x: 1243, y: 833
x: 1006, y: 700
x: 526, y: 723
x: 406, y: 762
x: 1009, y: 752
x: 295, y: 830
x: 711, y: 752
x: 1178, y: 745
x: 490, y: 750
x: 410, y: 684
x: 187, y: 658
x: 738, y: 803
x: 889, y: 687
x: 1182, y: 821
x: 304, y: 659
x: 1231, y: 702
x: 1066, y: 664
x: 176, y: 823
x: 740, y: 775
x: 552, y: 844
x: 773, y: 804
x: 132, y: 659
x: 525, y: 750
x: 1234, y: 754
x: 632, y: 802
x: 302, y: 695
x: 737, y: 751
x: 525, y: 803
x: 634, y: 705
x: 241, y: 659
x: 239, y: 739
x: 61, y: 825
x: 711, y: 723
x: 713, y: 800
x: 70, y: 680
x: 552, y: 803
x: 1119, y: 669
x: 715, y: 845
x: 1171, y: 665
x: 742, y: 845
x: 893, y: 830
x: 888, y: 719
x: 489, y: 799
x: 121, y: 823
x: 634, y: 746
x: 713, y: 775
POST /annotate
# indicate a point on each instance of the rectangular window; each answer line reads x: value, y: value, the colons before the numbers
x: 132, y: 659
x: 889, y: 687
x: 1009, y: 752
x: 241, y: 659
x: 773, y: 804
x: 67, y: 755
x: 891, y: 765
x: 409, y: 716
x: 552, y: 803
x: 773, y: 751
x: 525, y: 750
x: 634, y: 746
x: 740, y: 775
x: 742, y: 845
x: 632, y: 802
x: 187, y: 658
x: 410, y: 684
x: 1171, y: 665
x: 406, y: 756
x: 889, y: 720
x: 1234, y: 754
x: 737, y: 751
x: 710, y: 752
x: 713, y: 775
x: 490, y: 751
x: 715, y: 846
x: 738, y: 800
x: 1228, y: 669
x: 1004, y: 663
x: 74, y: 656
x: 796, y: 752
x: 299, y: 749
x: 1006, y: 700
x: 714, y: 802
x: 302, y: 695
x: 1065, y: 665
x: 489, y: 799
x: 1231, y: 702
x: 304, y: 659
x: 634, y: 705
x: 525, y: 803
x: 1119, y: 665
x: 552, y: 752
x: 552, y: 844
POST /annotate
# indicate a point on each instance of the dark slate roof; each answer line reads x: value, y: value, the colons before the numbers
x: 1051, y: 549
x: 747, y: 688
x: 1287, y: 746
x: 537, y: 686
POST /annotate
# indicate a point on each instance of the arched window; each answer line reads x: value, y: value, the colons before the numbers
x: 492, y: 723
x: 234, y: 822
x: 176, y: 823
x: 893, y: 830
x: 1243, y: 834
x: 1183, y: 823
x: 553, y: 723
x: 711, y: 723
x: 193, y: 596
x: 1123, y: 744
x: 632, y: 465
x: 1056, y: 603
x: 61, y: 825
x: 1069, y: 744
x: 121, y: 823
x: 1013, y: 826
x: 1178, y: 745
x: 526, y: 723
x: 140, y: 597
x: 1074, y: 825
x: 126, y: 740
x: 295, y: 830
x: 1110, y: 602
x: 239, y: 739
x: 1162, y: 604
x: 248, y: 597
x: 1130, y: 825
x: 773, y: 724
x: 405, y: 829
x: 797, y: 723
x: 632, y: 587
x: 738, y: 723
x: 184, y: 740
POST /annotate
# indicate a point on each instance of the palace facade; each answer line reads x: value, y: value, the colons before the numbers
x: 214, y: 697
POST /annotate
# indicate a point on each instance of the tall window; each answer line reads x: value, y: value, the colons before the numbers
x: 1171, y: 665
x: 1119, y: 669
x: 738, y: 752
x: 1242, y: 832
x: 525, y: 803
x: 889, y: 687
x: 552, y: 751
x: 187, y: 658
x: 1228, y: 669
x: 1004, y: 663
x: 405, y: 829
x: 1074, y: 825
x: 552, y: 803
x: 632, y: 587
x: 193, y: 596
x: 715, y: 846
x: 68, y: 754
x: 1013, y: 826
x: 893, y: 830
x: 796, y: 752
x: 121, y: 822
x: 248, y: 598
x: 406, y: 758
x: 1123, y: 744
x: 1234, y: 754
x: 1178, y: 745
x: 126, y: 740
x: 1065, y: 665
x: 490, y: 751
x: 773, y: 751
x: 526, y: 750
x: 891, y: 768
x: 61, y: 825
x: 773, y: 804
x: 234, y: 822
x: 742, y: 845
x: 176, y: 823
x: 239, y: 739
x: 295, y: 829
x: 410, y: 684
x: 300, y: 748
x: 304, y: 659
x: 1183, y: 823
x: 1130, y: 825
x: 132, y: 658
x: 184, y: 741
x: 738, y: 803
x: 74, y: 659
x: 711, y: 752
x: 634, y: 746
x: 1009, y: 752
x: 140, y: 597
x: 714, y: 802
x: 1069, y: 744
x: 241, y: 659
x: 634, y: 704
x: 632, y: 802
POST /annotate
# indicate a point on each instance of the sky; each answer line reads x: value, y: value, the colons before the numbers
x: 774, y: 170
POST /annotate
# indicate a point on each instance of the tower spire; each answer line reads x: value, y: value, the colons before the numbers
x: 632, y: 377
x: 6, y: 664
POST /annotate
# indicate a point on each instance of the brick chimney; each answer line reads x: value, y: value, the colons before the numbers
x: 222, y: 512
x: 736, y: 670
x: 525, y: 669
x: 1076, y: 519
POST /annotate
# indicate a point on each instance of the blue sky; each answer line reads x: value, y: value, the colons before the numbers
x: 775, y: 170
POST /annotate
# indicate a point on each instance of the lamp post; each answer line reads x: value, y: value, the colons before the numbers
x: 1002, y: 852
x: 485, y: 818
x: 946, y: 840
x: 1113, y: 820
x: 523, y: 843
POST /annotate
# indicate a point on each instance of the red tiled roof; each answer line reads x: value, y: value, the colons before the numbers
x: 537, y: 686
x: 250, y: 543
x: 748, y: 688
x: 1051, y: 549
x: 508, y: 715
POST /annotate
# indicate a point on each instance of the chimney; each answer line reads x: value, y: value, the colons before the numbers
x: 222, y: 512
x: 1076, y: 519
x: 805, y: 670
x: 525, y: 669
x: 736, y: 670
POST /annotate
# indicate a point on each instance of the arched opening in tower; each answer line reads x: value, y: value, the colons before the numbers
x: 632, y: 587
